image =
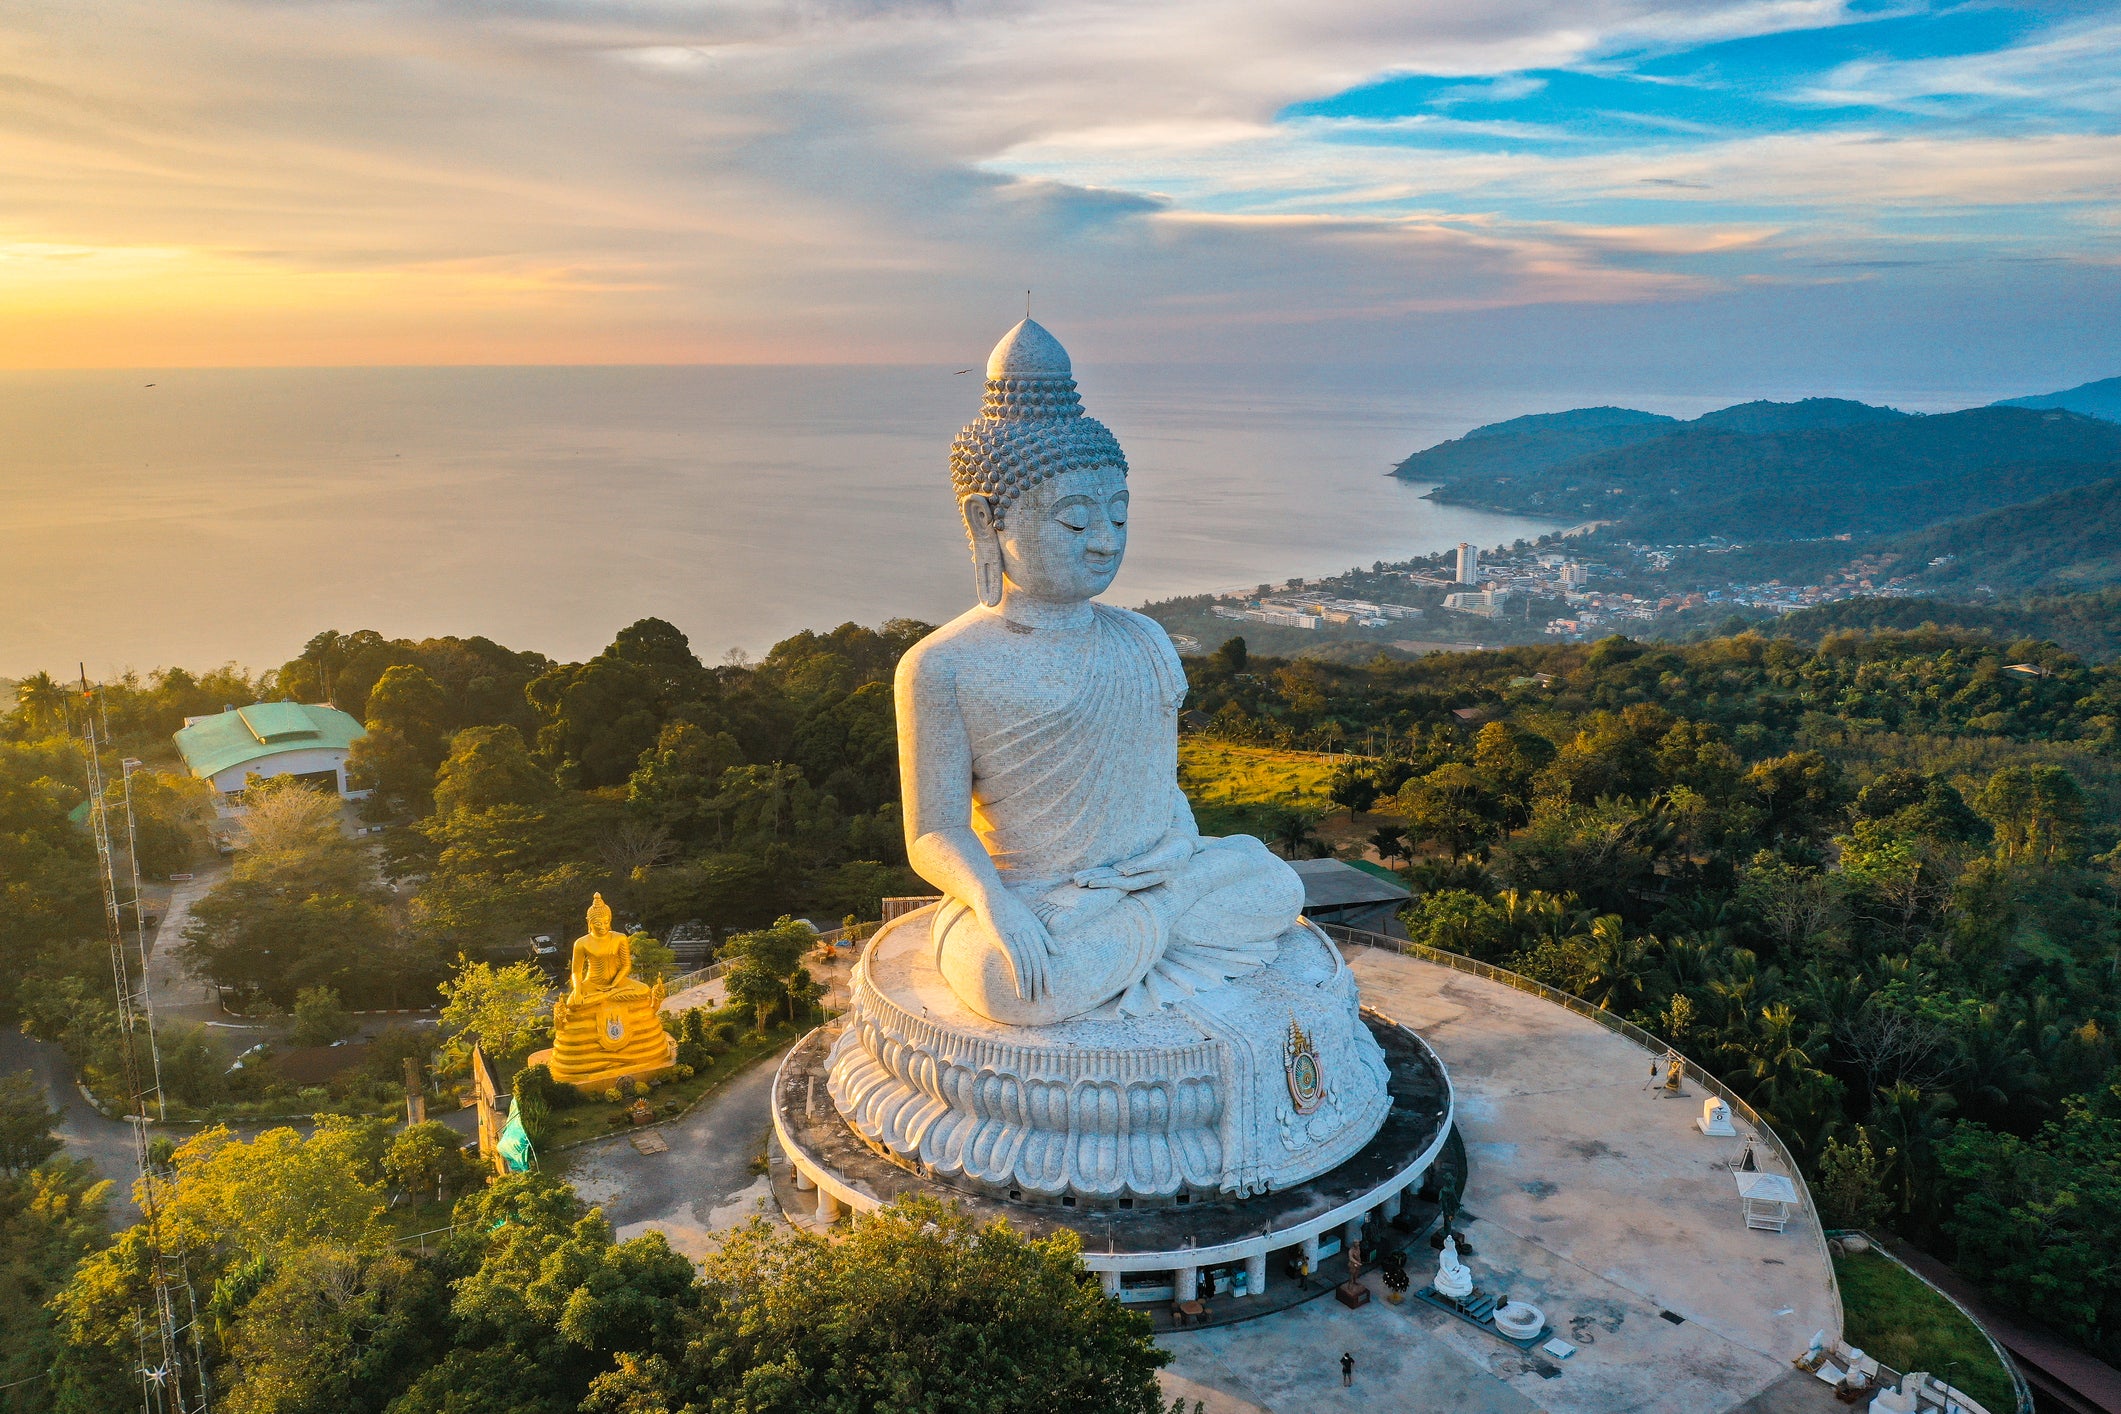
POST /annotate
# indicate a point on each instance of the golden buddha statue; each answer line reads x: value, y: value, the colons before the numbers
x: 608, y: 1026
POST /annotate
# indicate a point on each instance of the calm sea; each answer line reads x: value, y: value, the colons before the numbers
x: 230, y: 514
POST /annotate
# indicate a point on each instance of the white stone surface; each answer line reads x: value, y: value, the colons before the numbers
x: 1715, y: 1119
x: 1520, y: 1320
x: 1195, y: 1097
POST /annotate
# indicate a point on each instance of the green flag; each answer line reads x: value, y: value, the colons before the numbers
x: 514, y: 1143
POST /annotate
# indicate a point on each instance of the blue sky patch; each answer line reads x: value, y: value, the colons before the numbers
x: 1851, y: 74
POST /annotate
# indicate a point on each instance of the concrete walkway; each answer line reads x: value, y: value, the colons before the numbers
x: 172, y: 991
x: 704, y: 1184
x: 1592, y: 1197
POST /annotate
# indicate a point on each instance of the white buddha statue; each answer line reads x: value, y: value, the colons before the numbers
x: 1453, y: 1277
x: 1104, y: 1005
x: 1038, y: 742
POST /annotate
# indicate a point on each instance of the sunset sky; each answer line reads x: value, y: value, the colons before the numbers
x: 1872, y: 188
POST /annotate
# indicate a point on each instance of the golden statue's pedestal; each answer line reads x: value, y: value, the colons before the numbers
x: 614, y: 1070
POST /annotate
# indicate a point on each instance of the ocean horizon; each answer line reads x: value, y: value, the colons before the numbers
x: 229, y: 514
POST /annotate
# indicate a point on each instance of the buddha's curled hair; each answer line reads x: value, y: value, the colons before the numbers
x: 1029, y: 430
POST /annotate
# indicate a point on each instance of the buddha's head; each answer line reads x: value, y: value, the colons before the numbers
x: 599, y: 916
x: 1042, y: 487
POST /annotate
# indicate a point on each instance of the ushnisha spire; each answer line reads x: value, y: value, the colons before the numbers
x: 1031, y: 426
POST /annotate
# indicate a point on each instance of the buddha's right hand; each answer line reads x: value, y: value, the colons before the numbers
x: 1024, y: 940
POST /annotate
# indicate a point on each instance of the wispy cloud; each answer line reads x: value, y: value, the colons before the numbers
x: 409, y: 180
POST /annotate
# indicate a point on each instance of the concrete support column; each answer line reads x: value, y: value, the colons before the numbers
x: 1390, y: 1207
x: 1110, y: 1282
x: 1185, y: 1284
x: 803, y: 1182
x: 828, y: 1207
x: 1256, y: 1274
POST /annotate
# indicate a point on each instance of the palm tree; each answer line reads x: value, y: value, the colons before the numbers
x: 1292, y: 832
x: 42, y: 702
x: 1615, y: 964
x: 1390, y: 842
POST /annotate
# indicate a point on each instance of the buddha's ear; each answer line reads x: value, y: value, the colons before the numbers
x: 986, y: 538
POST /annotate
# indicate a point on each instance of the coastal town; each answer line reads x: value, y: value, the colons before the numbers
x: 1572, y: 586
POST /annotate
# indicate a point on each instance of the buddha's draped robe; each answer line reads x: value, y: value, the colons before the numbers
x: 1092, y: 783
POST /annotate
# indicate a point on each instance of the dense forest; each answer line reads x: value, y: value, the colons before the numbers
x: 1869, y: 876
x: 2052, y: 545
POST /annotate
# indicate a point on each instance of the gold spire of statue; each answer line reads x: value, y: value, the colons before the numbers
x: 608, y: 1027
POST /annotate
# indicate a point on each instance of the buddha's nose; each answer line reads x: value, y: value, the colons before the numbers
x: 1104, y: 537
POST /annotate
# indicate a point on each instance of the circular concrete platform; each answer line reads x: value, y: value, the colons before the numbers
x: 833, y: 1163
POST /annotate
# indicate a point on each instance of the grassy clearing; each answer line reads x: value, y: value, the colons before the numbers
x: 1214, y: 773
x: 1900, y: 1322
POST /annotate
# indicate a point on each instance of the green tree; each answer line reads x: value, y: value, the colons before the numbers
x: 26, y: 1138
x: 763, y: 965
x: 407, y: 720
x: 300, y: 909
x: 2033, y: 1218
x: 499, y: 1007
x: 51, y: 1218
x: 172, y: 815
x: 677, y: 781
x: 652, y: 961
x: 428, y: 1161
x: 1294, y: 833
x: 488, y: 767
x: 1230, y: 658
x: 1353, y: 789
x: 917, y: 1308
x: 2037, y: 812
x: 1449, y: 806
x: 319, y: 1018
x: 1852, y: 1182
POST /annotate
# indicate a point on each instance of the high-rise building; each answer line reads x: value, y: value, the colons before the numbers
x: 1573, y: 575
x: 1468, y: 564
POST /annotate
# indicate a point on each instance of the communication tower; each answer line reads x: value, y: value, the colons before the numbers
x: 172, y: 1378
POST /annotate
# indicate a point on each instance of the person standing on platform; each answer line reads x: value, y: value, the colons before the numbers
x: 1347, y: 1369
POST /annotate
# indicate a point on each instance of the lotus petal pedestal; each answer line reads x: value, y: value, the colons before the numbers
x: 1254, y: 1086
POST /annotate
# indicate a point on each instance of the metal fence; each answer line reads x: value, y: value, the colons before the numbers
x: 1619, y: 1026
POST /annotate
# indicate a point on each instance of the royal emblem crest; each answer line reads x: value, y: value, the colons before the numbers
x: 1307, y: 1079
x: 612, y: 1032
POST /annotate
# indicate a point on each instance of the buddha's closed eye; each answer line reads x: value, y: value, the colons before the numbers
x: 1075, y: 517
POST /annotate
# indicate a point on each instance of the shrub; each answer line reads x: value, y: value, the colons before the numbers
x: 319, y: 1018
x: 612, y: 1095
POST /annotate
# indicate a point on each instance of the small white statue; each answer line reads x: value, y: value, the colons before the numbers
x: 1454, y: 1278
x: 1715, y: 1119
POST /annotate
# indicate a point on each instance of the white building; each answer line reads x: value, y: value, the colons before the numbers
x: 1468, y: 564
x: 1483, y: 603
x: 307, y: 741
x: 1573, y: 575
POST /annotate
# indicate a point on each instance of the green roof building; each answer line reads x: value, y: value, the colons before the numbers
x: 299, y: 739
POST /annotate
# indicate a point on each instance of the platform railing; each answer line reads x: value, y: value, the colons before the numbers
x: 1620, y: 1026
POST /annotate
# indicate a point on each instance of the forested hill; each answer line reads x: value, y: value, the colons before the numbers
x: 1787, y: 471
x: 2058, y: 544
x: 2100, y: 399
